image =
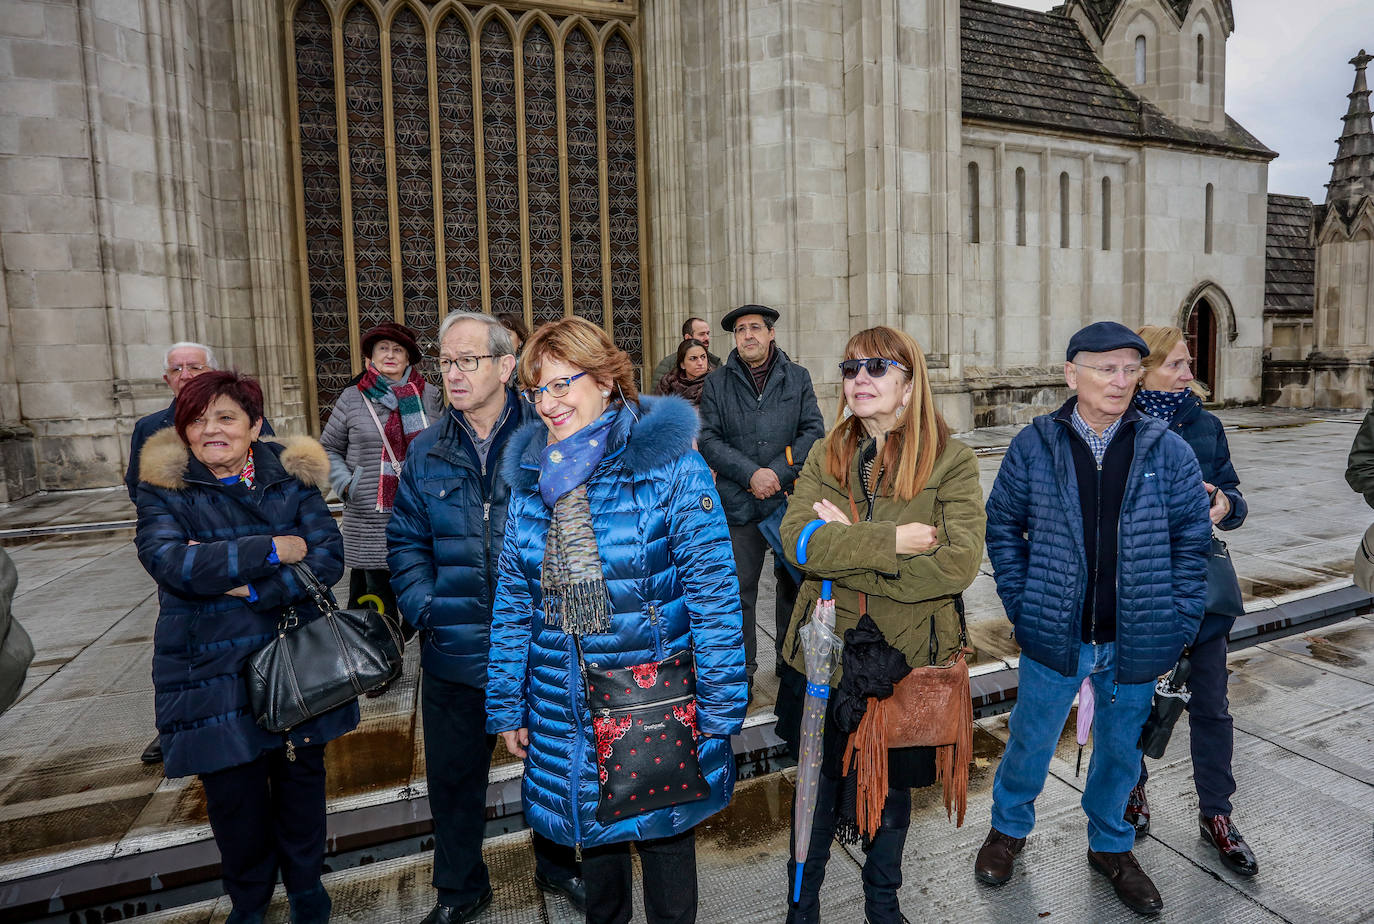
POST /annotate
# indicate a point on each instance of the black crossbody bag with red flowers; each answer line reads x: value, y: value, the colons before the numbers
x: 644, y: 720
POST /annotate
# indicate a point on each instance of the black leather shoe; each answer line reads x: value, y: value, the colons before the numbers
x: 573, y: 889
x: 1132, y: 886
x: 456, y: 914
x: 996, y: 857
x: 152, y: 754
x: 1138, y: 811
x: 1227, y: 839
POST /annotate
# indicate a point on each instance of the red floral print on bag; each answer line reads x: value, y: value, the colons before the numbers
x: 646, y: 675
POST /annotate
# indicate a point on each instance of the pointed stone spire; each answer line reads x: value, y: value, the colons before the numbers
x: 1352, y: 172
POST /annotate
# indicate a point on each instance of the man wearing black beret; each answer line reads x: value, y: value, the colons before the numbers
x: 759, y: 419
x: 1098, y: 532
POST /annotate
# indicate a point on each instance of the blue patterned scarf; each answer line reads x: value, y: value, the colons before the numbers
x: 574, y: 587
x: 1161, y: 404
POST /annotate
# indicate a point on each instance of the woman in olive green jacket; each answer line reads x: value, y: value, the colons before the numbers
x: 915, y: 544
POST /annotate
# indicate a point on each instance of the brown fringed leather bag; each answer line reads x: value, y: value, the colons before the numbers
x: 929, y: 707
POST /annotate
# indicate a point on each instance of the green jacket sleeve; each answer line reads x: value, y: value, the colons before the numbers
x: 1359, y: 472
x: 863, y: 557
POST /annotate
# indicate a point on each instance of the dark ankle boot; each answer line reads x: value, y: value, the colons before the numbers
x: 311, y: 906
x: 882, y: 869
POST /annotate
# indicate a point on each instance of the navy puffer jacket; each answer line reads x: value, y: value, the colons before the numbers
x: 1036, y: 546
x: 203, y: 636
x: 665, y: 552
x: 444, y: 538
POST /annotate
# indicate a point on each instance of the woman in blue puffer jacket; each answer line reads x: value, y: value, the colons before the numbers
x: 616, y: 557
x: 1169, y: 391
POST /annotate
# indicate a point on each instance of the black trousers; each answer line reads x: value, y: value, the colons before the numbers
x: 1211, y: 731
x: 268, y: 817
x: 457, y: 761
x: 749, y: 547
x: 669, y: 865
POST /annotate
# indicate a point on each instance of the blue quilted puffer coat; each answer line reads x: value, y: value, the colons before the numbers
x: 666, y: 555
x: 1035, y: 543
x: 443, y: 540
x: 204, y: 637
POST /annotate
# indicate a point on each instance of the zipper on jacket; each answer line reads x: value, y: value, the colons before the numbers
x: 486, y: 511
x: 578, y: 746
x: 1097, y: 559
x: 658, y: 632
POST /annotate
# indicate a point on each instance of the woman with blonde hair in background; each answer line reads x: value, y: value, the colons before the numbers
x: 1169, y: 391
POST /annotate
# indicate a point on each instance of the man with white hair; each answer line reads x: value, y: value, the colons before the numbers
x: 182, y: 362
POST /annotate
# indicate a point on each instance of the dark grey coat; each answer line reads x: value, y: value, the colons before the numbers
x: 743, y: 431
x: 354, y: 446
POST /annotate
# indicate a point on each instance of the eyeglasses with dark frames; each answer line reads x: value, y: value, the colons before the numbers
x: 875, y: 366
x: 464, y: 363
x: 557, y: 389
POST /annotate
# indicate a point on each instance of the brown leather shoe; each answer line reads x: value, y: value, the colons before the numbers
x: 1132, y: 886
x: 1226, y: 838
x: 1138, y: 811
x: 996, y: 857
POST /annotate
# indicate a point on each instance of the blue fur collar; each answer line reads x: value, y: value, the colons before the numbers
x: 662, y: 431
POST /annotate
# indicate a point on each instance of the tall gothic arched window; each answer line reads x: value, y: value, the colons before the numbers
x: 973, y: 203
x: 1106, y: 213
x: 1207, y: 220
x: 1064, y: 209
x: 1020, y: 206
x: 1140, y: 48
x: 1201, y: 59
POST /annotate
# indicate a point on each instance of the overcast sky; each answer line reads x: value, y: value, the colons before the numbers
x: 1287, y: 78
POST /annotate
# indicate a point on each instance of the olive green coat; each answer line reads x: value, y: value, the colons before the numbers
x: 904, y: 591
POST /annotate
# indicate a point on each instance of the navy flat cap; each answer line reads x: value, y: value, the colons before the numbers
x: 1103, y: 337
x: 728, y: 322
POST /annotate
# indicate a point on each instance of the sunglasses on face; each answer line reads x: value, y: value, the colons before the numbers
x: 875, y: 366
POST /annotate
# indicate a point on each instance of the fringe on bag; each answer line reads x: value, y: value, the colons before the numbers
x: 867, y: 749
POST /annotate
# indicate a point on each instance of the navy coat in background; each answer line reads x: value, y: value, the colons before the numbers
x: 444, y: 538
x: 1206, y: 436
x: 670, y: 570
x: 203, y: 636
x: 1036, y: 546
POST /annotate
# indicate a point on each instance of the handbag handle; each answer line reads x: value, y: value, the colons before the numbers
x: 958, y: 599
x: 322, y: 596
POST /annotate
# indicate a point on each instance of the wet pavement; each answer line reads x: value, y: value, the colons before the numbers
x: 72, y: 791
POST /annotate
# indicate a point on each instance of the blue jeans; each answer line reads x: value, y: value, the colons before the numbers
x: 1042, y: 706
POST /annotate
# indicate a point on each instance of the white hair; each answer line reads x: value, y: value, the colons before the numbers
x: 499, y: 340
x: 189, y: 344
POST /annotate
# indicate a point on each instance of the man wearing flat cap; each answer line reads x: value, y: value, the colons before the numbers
x: 1098, y: 531
x: 759, y: 418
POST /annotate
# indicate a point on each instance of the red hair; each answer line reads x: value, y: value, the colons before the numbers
x: 199, y: 393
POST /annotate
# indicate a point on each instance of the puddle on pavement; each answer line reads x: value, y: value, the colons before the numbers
x: 72, y: 772
x: 1335, y: 648
x: 760, y: 813
x: 369, y: 758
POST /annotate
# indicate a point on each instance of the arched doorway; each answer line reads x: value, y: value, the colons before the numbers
x: 1201, y: 336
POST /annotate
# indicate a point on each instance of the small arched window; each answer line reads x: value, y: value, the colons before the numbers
x: 1106, y: 213
x: 1207, y: 229
x: 1020, y: 206
x: 973, y: 203
x: 1140, y: 59
x: 1063, y: 210
x: 1201, y: 52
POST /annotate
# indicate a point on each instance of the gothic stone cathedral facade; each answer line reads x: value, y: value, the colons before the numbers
x: 273, y: 176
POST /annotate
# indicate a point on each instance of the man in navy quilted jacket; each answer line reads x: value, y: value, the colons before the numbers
x: 1098, y: 532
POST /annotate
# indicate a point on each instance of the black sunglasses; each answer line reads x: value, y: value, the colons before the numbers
x: 876, y: 367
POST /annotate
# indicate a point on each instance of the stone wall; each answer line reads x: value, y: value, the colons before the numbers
x: 128, y: 219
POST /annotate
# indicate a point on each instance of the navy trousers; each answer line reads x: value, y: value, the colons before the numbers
x: 268, y: 817
x: 669, y: 865
x: 1211, y: 731
x: 457, y: 761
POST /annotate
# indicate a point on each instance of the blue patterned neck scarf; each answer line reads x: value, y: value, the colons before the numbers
x: 1161, y: 404
x: 569, y: 462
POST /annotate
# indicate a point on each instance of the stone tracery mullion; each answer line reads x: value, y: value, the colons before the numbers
x: 584, y: 184
x: 367, y: 166
x: 501, y: 168
x: 458, y: 164
x: 414, y: 182
x: 542, y: 177
x: 622, y: 196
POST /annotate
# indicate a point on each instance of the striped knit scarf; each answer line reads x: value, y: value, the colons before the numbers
x: 407, y: 419
x: 574, y: 587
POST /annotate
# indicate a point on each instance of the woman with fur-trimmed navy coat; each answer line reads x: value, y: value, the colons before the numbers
x: 616, y: 555
x: 220, y: 516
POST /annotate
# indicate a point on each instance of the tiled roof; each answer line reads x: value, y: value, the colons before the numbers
x: 1289, y: 257
x: 1037, y: 70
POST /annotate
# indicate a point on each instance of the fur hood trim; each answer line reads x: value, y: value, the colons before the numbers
x: 663, y: 432
x: 165, y: 460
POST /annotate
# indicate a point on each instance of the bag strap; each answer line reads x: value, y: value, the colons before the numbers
x: 321, y: 595
x: 386, y: 444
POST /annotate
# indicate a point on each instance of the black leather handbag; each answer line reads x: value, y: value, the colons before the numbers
x: 645, y: 721
x: 315, y: 665
x: 1223, y: 589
